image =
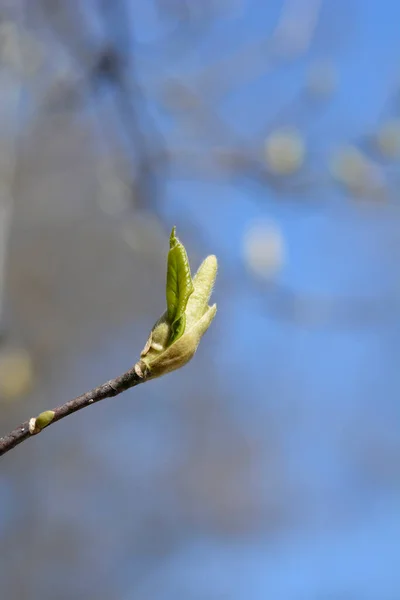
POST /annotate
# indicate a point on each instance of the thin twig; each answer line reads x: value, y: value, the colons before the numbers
x: 111, y: 388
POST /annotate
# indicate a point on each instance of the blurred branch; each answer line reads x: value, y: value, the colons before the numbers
x: 11, y: 81
x: 191, y: 103
x: 111, y: 388
x: 111, y: 62
x: 325, y: 311
x: 290, y: 39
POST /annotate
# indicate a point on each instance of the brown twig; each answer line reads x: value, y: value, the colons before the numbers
x: 111, y: 388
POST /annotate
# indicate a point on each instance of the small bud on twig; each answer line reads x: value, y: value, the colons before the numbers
x: 37, y: 424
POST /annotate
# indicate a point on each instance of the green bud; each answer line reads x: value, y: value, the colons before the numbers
x: 176, y: 335
x: 36, y: 424
x: 44, y: 419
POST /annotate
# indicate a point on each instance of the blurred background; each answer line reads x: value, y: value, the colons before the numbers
x: 269, y: 133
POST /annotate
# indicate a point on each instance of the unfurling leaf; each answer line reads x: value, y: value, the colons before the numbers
x: 175, y: 337
x: 179, y: 287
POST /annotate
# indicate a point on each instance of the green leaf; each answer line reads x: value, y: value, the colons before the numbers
x: 178, y: 328
x: 179, y: 286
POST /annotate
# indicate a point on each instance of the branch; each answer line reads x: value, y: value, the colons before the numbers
x: 106, y: 390
x: 172, y: 343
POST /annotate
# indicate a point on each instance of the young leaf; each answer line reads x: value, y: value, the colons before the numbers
x: 179, y: 286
